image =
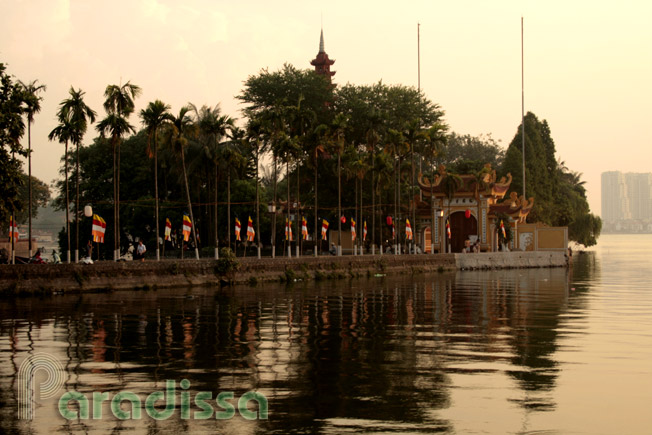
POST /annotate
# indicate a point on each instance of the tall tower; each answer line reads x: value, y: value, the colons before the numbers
x: 322, y: 63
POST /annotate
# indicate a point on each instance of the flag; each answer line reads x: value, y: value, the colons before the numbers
x: 502, y: 228
x: 187, y: 226
x: 393, y: 232
x: 408, y: 230
x: 250, y: 230
x: 304, y: 228
x: 324, y: 228
x: 288, y: 230
x: 448, y: 228
x: 364, y: 231
x: 99, y: 227
x: 237, y: 229
x: 168, y: 230
x: 353, y: 230
x: 13, y: 229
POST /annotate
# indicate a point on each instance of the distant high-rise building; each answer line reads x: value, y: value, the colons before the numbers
x: 615, y: 204
x: 626, y: 196
x: 639, y: 190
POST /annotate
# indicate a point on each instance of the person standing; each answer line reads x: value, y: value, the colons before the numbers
x: 140, y: 250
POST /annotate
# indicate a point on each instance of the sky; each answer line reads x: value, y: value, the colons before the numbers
x: 587, y: 64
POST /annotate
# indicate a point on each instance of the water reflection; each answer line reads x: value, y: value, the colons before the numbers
x: 393, y: 354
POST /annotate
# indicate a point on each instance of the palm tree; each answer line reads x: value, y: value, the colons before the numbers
x: 33, y: 107
x: 321, y: 135
x: 181, y: 127
x: 414, y: 135
x: 80, y: 115
x: 64, y: 133
x: 433, y: 147
x: 119, y: 104
x: 154, y: 117
x: 372, y: 138
x: 213, y: 127
x: 230, y: 153
x: 255, y: 134
x: 340, y: 125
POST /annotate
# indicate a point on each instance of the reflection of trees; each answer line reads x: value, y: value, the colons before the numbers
x: 370, y: 351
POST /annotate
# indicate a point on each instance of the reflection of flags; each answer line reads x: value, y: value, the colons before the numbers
x: 408, y: 229
x: 364, y: 231
x: 187, y: 226
x: 168, y: 230
x: 353, y: 230
x: 250, y: 230
x: 304, y: 228
x: 237, y: 229
x: 324, y: 228
x: 502, y: 228
x: 448, y: 228
x: 99, y: 227
x: 288, y: 230
x: 13, y: 229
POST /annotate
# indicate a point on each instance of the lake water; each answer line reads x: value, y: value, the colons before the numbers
x: 518, y: 351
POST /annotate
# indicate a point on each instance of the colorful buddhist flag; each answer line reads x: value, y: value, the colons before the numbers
x: 168, y: 230
x: 364, y: 231
x: 288, y: 230
x: 408, y: 230
x: 448, y: 228
x: 98, y: 229
x: 502, y: 229
x: 13, y: 229
x: 187, y: 227
x: 250, y: 230
x: 304, y: 228
x: 324, y: 229
x: 353, y: 229
x: 237, y: 229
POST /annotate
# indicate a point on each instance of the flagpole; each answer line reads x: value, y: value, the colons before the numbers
x: 522, y: 109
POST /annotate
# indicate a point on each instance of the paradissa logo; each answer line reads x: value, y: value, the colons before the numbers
x: 203, y: 400
x: 159, y: 405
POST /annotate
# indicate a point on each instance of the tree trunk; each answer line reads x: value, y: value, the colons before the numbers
x: 115, y: 202
x: 67, y: 205
x: 77, y: 208
x: 192, y: 219
x: 274, y: 214
x: 339, y: 203
x: 217, y: 238
x: 373, y: 202
x: 299, y: 235
x: 228, y: 204
x: 117, y: 217
x: 257, y: 201
x: 158, y: 254
x: 29, y: 182
x: 289, y: 224
x: 317, y: 238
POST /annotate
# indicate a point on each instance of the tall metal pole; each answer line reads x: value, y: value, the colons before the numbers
x: 418, y: 57
x: 522, y: 109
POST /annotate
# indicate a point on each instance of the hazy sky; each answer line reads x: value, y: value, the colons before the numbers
x: 588, y: 64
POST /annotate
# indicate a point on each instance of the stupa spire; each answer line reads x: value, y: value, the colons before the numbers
x: 321, y: 62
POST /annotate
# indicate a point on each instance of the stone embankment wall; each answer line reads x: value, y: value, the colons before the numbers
x: 36, y: 279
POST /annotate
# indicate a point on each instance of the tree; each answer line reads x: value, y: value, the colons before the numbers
x: 12, y: 106
x: 154, y: 118
x: 230, y: 153
x: 118, y: 104
x: 40, y: 197
x: 180, y: 127
x: 65, y: 132
x: 560, y: 196
x: 33, y: 106
x: 80, y: 115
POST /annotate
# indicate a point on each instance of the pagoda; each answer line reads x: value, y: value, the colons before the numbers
x: 476, y: 201
x: 322, y: 63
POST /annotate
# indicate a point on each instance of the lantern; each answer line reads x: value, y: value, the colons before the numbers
x: 343, y: 219
x: 389, y: 220
x: 467, y: 213
x: 88, y: 211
